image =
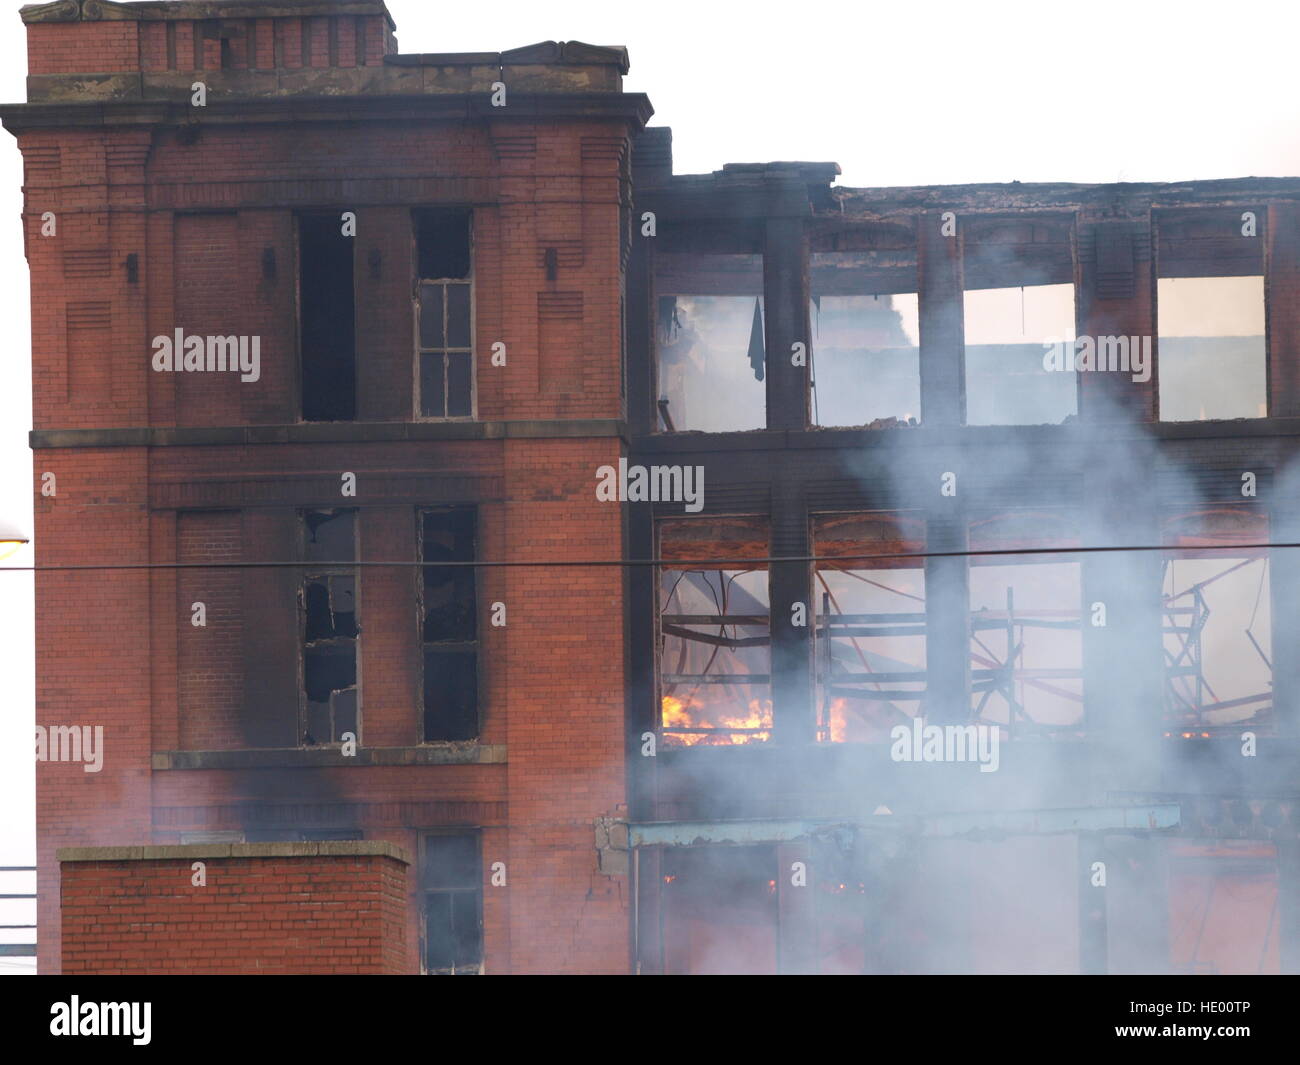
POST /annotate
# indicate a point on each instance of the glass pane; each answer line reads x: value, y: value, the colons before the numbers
x: 329, y: 668
x: 450, y: 695
x: 431, y: 316
x: 316, y: 606
x: 439, y: 945
x: 448, y: 592
x: 442, y: 242
x: 458, y: 324
x: 345, y: 713
x: 451, y: 862
x: 318, y: 723
x: 343, y: 604
x: 330, y: 536
x: 467, y: 928
x: 432, y: 400
x: 459, y: 389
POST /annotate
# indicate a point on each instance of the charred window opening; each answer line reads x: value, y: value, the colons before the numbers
x: 1223, y: 903
x: 329, y: 631
x: 1026, y: 643
x: 444, y: 313
x: 449, y: 624
x: 1210, y: 318
x: 714, y: 635
x: 1217, y: 625
x: 1018, y: 308
x: 720, y: 910
x: 871, y: 627
x: 452, y: 888
x: 866, y: 328
x: 709, y: 335
x: 233, y: 42
x: 326, y: 320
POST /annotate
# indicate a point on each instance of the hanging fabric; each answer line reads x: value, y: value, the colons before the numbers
x: 757, y: 355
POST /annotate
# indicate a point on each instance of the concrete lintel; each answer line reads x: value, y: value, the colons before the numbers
x: 331, y: 432
x: 993, y: 823
x: 688, y: 833
x: 402, y: 102
x: 319, y: 757
x: 195, y: 851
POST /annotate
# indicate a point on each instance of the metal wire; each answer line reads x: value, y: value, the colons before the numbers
x: 671, y: 563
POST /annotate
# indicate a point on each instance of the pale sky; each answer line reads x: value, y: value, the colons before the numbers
x: 898, y: 93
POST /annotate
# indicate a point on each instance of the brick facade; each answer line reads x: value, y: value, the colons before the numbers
x: 184, y: 217
x: 146, y: 213
x: 250, y: 909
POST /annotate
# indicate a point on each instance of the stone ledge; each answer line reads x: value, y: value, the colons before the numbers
x: 331, y: 848
x: 199, y: 10
x: 315, y: 757
x: 332, y: 432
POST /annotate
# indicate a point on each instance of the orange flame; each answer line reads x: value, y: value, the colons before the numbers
x: 682, y: 714
x: 837, y: 721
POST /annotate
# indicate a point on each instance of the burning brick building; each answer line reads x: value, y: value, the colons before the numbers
x: 970, y: 655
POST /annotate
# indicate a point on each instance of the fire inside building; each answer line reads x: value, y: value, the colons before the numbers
x: 969, y: 653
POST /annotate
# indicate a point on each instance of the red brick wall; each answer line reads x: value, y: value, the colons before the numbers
x: 82, y: 47
x: 207, y: 296
x: 563, y: 682
x: 122, y: 45
x: 93, y: 659
x: 210, y: 680
x: 119, y: 649
x: 301, y: 908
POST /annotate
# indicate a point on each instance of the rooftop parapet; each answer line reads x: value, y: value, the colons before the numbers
x: 96, y: 51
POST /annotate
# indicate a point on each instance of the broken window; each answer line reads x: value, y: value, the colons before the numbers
x: 451, y: 882
x: 1223, y: 908
x: 1026, y: 628
x: 449, y: 624
x: 328, y: 609
x: 1018, y: 304
x: 1210, y: 314
x: 709, y: 342
x: 714, y: 635
x: 719, y: 910
x: 870, y: 626
x: 444, y: 313
x: 326, y: 320
x: 1217, y: 624
x: 1211, y: 349
x: 866, y: 328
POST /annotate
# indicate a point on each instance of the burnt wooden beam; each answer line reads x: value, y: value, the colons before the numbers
x: 1283, y: 301
x: 947, y: 607
x: 789, y: 587
x: 943, y: 358
x: 639, y: 350
x: 785, y: 324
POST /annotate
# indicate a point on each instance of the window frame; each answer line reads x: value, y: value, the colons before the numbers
x: 425, y: 835
x: 418, y: 286
x: 317, y: 571
x: 448, y: 646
